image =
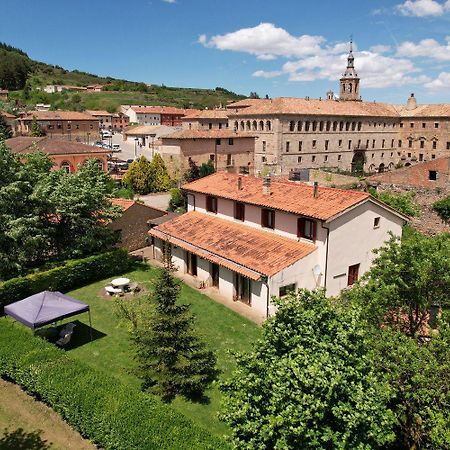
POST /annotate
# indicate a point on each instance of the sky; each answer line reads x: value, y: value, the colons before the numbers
x: 273, y: 47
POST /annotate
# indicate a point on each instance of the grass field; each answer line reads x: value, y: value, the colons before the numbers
x: 28, y: 424
x: 112, y: 352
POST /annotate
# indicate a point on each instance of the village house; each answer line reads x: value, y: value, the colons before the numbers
x: 157, y: 115
x: 61, y: 123
x: 228, y: 150
x: 252, y: 238
x: 105, y: 119
x: 207, y: 119
x: 11, y: 120
x: 66, y: 155
x: 120, y: 121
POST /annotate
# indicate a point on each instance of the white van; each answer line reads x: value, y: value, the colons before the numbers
x: 106, y: 134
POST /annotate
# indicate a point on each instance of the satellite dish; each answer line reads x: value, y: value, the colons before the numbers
x: 317, y: 270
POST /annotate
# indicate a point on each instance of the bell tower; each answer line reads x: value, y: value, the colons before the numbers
x: 349, y: 88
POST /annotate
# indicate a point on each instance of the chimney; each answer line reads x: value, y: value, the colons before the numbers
x: 266, y: 185
x: 316, y: 189
x: 239, y: 183
x: 411, y: 103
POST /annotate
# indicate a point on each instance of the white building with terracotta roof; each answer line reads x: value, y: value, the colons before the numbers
x: 157, y: 115
x: 251, y: 239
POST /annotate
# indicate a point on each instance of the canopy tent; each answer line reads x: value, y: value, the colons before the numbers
x: 46, y: 307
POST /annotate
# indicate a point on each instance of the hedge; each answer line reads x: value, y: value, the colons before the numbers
x: 111, y: 414
x: 72, y: 274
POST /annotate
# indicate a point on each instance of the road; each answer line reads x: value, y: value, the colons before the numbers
x: 127, y: 148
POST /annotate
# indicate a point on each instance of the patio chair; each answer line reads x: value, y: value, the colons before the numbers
x: 63, y: 341
x: 112, y: 290
x: 67, y: 328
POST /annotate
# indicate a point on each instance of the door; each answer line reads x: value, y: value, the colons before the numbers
x: 352, y: 274
x: 243, y: 289
x: 191, y: 263
x: 215, y: 275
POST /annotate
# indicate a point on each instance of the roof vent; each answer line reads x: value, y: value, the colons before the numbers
x: 239, y: 183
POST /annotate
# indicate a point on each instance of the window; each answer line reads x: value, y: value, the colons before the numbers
x: 299, y: 159
x: 211, y: 204
x: 218, y: 141
x: 230, y: 141
x: 432, y: 175
x: 325, y: 158
x: 420, y: 156
x: 433, y: 156
x: 373, y: 143
x: 350, y: 144
x: 383, y: 142
x: 448, y: 145
x: 263, y: 159
x: 291, y: 125
x: 314, y: 142
x: 340, y: 143
x: 401, y: 125
x: 300, y: 145
x: 229, y: 160
x: 411, y: 125
x: 66, y: 166
x: 268, y: 218
x: 49, y: 126
x: 424, y: 125
x: 212, y: 157
x: 313, y: 158
x: 399, y: 143
x: 409, y: 155
x: 263, y: 146
x: 239, y: 211
x: 339, y: 157
x: 326, y: 144
x: 392, y: 143
x: 436, y: 125
x: 382, y: 155
x: 59, y: 126
x: 352, y: 274
x: 288, y: 289
x: 288, y: 144
x: 422, y: 144
x: 376, y: 222
x: 410, y: 143
x: 306, y: 229
x: 434, y: 145
x: 69, y: 126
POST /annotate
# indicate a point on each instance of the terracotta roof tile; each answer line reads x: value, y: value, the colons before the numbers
x: 162, y: 110
x: 289, y: 196
x: 7, y: 115
x: 123, y: 203
x: 208, y: 114
x: 298, y: 106
x: 58, y: 115
x: 236, y: 246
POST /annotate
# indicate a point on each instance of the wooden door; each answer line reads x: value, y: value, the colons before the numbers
x: 353, y: 272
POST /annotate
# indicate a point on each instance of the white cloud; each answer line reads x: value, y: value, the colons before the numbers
x: 202, y: 39
x: 428, y: 48
x: 441, y: 82
x: 380, y: 48
x: 266, y: 57
x: 268, y: 74
x: 170, y: 1
x: 423, y: 8
x: 266, y: 41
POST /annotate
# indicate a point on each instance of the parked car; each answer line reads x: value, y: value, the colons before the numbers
x: 98, y: 144
x: 107, y: 146
x: 116, y: 148
x: 106, y: 134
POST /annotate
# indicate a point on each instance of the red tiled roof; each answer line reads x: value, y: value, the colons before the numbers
x: 123, y: 203
x: 208, y: 114
x: 7, y: 115
x: 58, y: 115
x: 241, y: 248
x: 299, y: 106
x: 26, y: 144
x: 162, y: 110
x: 98, y: 113
x: 290, y: 196
x: 207, y: 134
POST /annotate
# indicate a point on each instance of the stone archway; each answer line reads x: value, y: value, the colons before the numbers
x: 381, y: 168
x: 358, y: 162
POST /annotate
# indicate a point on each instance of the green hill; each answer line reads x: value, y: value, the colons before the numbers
x: 25, y: 78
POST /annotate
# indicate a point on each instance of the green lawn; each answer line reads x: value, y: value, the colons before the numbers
x: 223, y: 329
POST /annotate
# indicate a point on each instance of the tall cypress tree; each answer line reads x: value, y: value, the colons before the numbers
x: 172, y: 360
x: 35, y: 129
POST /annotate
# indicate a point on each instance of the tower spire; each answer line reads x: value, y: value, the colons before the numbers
x: 350, y: 81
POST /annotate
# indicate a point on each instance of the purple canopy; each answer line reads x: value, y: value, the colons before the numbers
x: 44, y: 308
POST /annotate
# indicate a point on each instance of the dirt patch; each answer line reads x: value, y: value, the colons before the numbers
x: 126, y: 295
x: 28, y: 423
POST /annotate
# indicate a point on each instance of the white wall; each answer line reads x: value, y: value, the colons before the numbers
x: 353, y: 239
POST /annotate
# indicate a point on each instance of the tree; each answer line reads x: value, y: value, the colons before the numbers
x: 407, y: 277
x: 137, y: 176
x: 401, y: 202
x: 193, y: 172
x: 35, y: 129
x: 309, y: 382
x: 159, y: 178
x: 419, y: 378
x: 254, y: 95
x: 5, y: 129
x: 442, y: 207
x: 206, y: 169
x: 172, y: 360
x: 177, y: 201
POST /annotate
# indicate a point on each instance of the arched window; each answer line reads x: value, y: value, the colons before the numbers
x: 99, y: 164
x: 328, y: 125
x: 359, y: 126
x: 248, y: 125
x: 314, y: 125
x: 335, y: 125
x: 343, y: 87
x: 299, y: 125
x: 242, y: 125
x: 268, y: 125
x: 236, y: 125
x: 353, y: 126
x: 66, y: 166
x: 261, y: 125
x: 254, y: 125
x: 347, y: 126
x: 320, y: 126
x: 341, y: 126
x: 307, y: 125
x: 291, y: 125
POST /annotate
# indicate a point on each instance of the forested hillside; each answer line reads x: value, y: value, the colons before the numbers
x: 26, y: 78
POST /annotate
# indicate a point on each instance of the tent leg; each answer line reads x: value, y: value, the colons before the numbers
x: 90, y: 324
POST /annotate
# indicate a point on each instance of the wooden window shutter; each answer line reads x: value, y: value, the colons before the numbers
x: 300, y: 227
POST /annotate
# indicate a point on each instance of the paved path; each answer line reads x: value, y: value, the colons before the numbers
x: 160, y: 201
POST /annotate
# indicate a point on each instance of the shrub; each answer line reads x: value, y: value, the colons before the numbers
x: 442, y: 207
x: 111, y: 414
x: 72, y: 274
x: 401, y: 202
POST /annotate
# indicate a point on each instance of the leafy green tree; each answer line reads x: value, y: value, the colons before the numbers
x: 401, y: 202
x: 172, y: 360
x: 159, y: 178
x: 254, y: 95
x: 35, y: 129
x: 193, y: 172
x: 177, y: 201
x: 419, y: 378
x: 5, y: 129
x: 407, y: 277
x: 442, y: 207
x: 138, y: 176
x: 309, y: 382
x: 206, y: 169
